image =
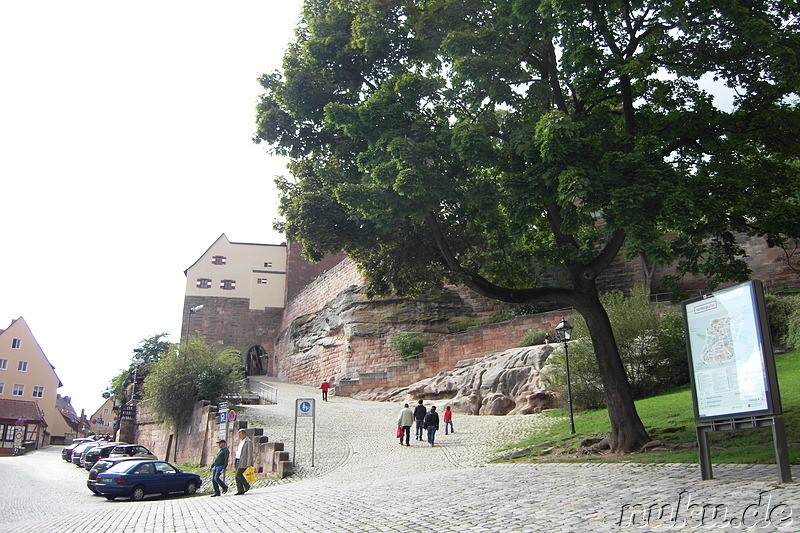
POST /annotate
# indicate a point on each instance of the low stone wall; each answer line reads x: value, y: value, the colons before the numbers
x: 197, y: 443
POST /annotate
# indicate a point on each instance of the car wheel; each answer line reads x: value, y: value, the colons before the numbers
x: 191, y: 487
x: 109, y: 497
x: 137, y: 494
x: 94, y: 490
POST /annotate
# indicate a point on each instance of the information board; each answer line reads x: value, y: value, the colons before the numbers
x: 732, y: 366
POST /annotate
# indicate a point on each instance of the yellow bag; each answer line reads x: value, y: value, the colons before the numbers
x: 250, y: 474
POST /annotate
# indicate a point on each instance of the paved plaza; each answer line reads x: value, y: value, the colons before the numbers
x: 362, y: 480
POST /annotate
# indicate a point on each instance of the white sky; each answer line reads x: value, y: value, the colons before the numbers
x: 125, y: 151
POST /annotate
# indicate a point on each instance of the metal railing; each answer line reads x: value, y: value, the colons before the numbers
x: 266, y: 393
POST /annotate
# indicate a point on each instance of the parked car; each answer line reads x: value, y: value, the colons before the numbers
x: 77, y: 453
x: 136, y: 479
x: 101, y: 450
x: 101, y: 466
x: 66, y: 453
x: 132, y: 450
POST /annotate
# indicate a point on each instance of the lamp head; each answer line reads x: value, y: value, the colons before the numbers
x: 563, y: 330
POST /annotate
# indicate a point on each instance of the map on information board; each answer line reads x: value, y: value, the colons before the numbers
x: 727, y: 353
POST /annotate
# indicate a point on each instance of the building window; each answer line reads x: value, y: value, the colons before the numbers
x: 22, y: 366
x: 227, y: 284
x: 19, y: 390
x: 262, y: 281
x: 203, y: 283
x: 218, y: 260
x: 38, y: 392
x: 2, y: 388
x: 105, y: 412
x: 268, y: 264
x: 3, y: 364
x: 16, y: 344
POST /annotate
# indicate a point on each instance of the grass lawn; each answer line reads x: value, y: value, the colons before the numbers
x: 669, y: 418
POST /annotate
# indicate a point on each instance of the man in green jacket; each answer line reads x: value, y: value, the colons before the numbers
x: 218, y: 468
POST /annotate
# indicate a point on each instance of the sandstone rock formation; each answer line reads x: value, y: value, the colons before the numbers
x: 507, y: 382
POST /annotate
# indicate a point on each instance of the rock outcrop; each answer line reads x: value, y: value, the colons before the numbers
x: 502, y: 383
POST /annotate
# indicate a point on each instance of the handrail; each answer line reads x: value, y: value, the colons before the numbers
x: 266, y: 393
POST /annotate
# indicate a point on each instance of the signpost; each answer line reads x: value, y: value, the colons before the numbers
x: 732, y: 368
x: 224, y: 417
x: 305, y: 408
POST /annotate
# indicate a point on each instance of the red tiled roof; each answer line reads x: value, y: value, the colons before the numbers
x: 20, y: 409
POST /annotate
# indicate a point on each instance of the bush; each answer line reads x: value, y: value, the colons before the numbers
x: 408, y: 345
x: 651, y: 342
x: 532, y: 338
x: 784, y: 320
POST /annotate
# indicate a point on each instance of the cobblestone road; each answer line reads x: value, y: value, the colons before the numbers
x: 363, y: 481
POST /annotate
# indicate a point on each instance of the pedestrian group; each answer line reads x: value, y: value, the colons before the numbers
x: 424, y: 421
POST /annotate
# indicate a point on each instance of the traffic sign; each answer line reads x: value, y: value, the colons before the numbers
x: 305, y: 407
x: 231, y: 416
x: 223, y: 417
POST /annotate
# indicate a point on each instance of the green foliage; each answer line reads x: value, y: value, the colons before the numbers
x: 408, y: 345
x: 117, y: 386
x: 670, y: 418
x: 463, y: 324
x: 152, y: 348
x: 784, y: 319
x: 488, y: 142
x: 533, y: 338
x: 191, y: 371
x: 652, y: 346
x: 148, y: 352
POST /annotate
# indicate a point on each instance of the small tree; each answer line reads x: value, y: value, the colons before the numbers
x: 408, y: 345
x: 189, y: 371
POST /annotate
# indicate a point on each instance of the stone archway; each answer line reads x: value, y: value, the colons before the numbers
x: 256, y: 361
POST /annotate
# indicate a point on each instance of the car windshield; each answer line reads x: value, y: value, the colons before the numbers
x: 123, y: 466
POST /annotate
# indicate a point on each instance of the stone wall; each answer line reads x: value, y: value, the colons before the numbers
x: 230, y: 321
x: 448, y: 352
x: 195, y: 443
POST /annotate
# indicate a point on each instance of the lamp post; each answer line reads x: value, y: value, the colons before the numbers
x: 137, y: 360
x: 563, y: 334
x: 192, y: 311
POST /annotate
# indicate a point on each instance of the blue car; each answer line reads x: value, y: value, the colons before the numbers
x: 138, y: 478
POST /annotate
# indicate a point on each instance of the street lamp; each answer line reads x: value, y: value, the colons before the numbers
x: 192, y: 311
x: 137, y: 360
x: 563, y: 334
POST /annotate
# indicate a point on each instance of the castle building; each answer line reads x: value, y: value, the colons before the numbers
x: 236, y: 293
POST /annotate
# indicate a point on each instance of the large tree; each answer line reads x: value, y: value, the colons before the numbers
x: 485, y: 142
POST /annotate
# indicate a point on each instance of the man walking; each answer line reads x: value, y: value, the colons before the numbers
x: 432, y: 424
x: 419, y: 416
x: 218, y: 468
x: 244, y: 459
x: 404, y: 421
x: 325, y: 386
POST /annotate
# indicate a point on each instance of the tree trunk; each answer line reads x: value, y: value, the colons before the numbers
x: 627, y: 431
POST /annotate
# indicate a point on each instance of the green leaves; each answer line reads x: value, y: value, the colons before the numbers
x: 189, y: 372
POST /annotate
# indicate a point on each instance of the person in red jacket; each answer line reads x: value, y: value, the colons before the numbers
x: 325, y: 386
x: 448, y: 420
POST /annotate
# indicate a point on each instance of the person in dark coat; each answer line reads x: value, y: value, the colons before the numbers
x: 218, y: 468
x: 419, y: 416
x: 432, y: 424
